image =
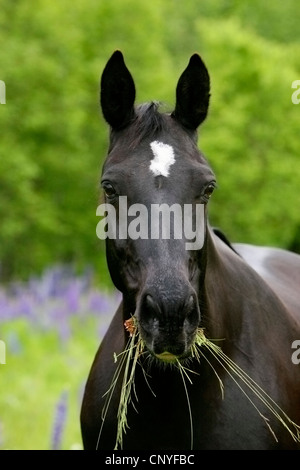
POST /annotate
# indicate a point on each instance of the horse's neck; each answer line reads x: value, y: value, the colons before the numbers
x: 238, y: 304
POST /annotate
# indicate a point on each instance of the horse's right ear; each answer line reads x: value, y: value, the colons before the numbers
x: 117, y: 92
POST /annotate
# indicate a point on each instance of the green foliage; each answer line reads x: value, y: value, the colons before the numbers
x: 250, y: 136
x: 53, y: 140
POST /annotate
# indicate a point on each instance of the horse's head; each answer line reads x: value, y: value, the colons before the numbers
x: 158, y: 184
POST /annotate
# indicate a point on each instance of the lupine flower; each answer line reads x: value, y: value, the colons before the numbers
x: 60, y: 419
x: 51, y: 302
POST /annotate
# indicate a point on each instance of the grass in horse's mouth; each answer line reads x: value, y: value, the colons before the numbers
x: 129, y: 358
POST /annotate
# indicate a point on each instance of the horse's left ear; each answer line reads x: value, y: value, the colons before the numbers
x: 117, y: 92
x: 192, y: 94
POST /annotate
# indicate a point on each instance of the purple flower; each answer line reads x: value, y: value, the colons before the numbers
x: 59, y: 421
x: 97, y: 302
x: 51, y: 301
x: 72, y: 297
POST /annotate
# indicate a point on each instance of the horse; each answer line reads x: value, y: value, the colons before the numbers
x: 245, y: 298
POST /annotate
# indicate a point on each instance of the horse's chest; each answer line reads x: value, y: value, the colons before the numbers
x: 202, y: 419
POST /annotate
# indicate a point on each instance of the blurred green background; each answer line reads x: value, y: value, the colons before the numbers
x: 53, y: 141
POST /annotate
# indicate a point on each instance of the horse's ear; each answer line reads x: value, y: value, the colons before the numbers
x: 117, y: 92
x: 192, y: 94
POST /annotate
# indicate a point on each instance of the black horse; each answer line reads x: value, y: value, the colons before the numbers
x: 247, y: 296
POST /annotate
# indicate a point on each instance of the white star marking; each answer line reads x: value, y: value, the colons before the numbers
x: 163, y: 158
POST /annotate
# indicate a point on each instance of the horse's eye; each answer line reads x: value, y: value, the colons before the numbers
x: 209, y: 190
x: 108, y: 189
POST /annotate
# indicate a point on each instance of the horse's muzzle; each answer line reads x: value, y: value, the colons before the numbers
x: 168, y: 328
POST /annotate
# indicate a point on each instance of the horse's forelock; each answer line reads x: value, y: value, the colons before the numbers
x: 149, y: 122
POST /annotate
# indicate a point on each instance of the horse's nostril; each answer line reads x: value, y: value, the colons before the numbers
x: 149, y: 313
